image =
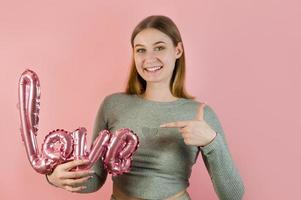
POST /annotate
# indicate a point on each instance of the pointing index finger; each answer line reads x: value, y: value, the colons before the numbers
x: 178, y: 124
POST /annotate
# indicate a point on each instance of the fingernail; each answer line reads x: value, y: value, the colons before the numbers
x: 162, y: 125
x: 92, y: 172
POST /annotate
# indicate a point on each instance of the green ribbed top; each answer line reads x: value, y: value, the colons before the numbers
x: 162, y: 164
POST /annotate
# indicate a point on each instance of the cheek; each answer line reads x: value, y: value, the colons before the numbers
x: 170, y: 61
x: 138, y: 64
x: 168, y: 57
x: 138, y: 61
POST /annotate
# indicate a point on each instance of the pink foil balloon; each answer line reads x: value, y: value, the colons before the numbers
x: 29, y: 104
x: 61, y: 146
x: 97, y: 150
x: 122, y: 145
x: 58, y: 146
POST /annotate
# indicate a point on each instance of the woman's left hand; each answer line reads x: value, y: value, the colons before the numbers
x: 195, y: 132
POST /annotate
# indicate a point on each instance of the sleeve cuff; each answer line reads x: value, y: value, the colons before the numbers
x: 214, y: 144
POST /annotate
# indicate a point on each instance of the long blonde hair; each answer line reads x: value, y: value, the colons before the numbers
x: 136, y: 84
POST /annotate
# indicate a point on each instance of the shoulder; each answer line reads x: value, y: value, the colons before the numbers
x: 116, y: 98
x: 117, y: 95
x: 112, y: 101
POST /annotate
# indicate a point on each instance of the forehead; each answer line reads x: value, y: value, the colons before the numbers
x: 150, y: 35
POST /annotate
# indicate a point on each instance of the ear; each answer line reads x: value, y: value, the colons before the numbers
x: 179, y: 50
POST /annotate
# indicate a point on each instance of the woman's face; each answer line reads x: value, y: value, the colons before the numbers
x: 155, y: 55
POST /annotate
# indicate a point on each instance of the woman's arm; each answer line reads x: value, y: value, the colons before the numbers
x: 99, y: 177
x: 221, y: 168
x: 84, y: 181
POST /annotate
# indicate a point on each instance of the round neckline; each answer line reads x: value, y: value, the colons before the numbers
x: 174, y: 102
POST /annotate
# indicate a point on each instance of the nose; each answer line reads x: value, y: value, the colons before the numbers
x: 150, y: 57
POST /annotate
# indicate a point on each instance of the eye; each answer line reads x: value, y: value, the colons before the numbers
x: 159, y: 48
x: 140, y: 50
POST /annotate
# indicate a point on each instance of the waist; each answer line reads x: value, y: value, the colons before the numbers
x: 119, y: 195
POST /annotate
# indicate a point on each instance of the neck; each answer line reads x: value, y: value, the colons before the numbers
x: 157, y: 92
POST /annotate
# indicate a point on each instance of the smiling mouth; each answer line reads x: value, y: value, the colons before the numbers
x: 153, y: 69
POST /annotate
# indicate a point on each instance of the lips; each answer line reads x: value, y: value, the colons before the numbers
x: 153, y: 68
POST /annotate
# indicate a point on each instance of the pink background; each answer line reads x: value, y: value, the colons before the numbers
x: 243, y: 59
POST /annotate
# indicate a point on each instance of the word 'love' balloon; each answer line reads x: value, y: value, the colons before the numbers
x: 59, y: 146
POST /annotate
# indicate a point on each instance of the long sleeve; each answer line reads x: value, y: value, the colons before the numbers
x: 217, y: 158
x: 100, y: 175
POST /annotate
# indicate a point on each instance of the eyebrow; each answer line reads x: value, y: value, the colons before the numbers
x: 153, y: 44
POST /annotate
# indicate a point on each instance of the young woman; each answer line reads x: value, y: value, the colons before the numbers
x: 172, y: 127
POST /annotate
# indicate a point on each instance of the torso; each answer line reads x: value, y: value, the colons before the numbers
x: 162, y: 164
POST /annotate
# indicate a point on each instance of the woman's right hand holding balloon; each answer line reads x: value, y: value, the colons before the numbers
x: 72, y: 181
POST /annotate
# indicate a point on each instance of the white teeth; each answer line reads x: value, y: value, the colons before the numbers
x: 152, y: 69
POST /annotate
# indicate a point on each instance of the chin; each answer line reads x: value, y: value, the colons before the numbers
x: 155, y: 81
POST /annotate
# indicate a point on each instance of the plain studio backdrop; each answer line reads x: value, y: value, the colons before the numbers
x: 243, y: 59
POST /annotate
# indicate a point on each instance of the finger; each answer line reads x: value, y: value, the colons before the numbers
x: 200, y: 112
x: 79, y: 174
x: 80, y: 181
x: 178, y: 124
x: 185, y: 135
x: 74, y: 189
x: 185, y: 129
x: 69, y: 165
